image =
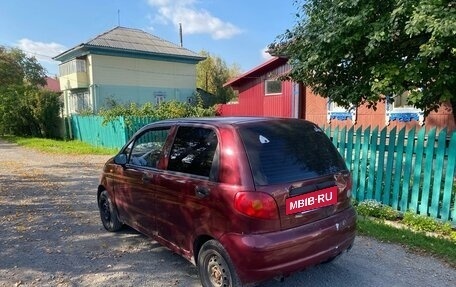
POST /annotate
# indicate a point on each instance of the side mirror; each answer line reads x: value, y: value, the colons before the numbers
x: 120, y: 159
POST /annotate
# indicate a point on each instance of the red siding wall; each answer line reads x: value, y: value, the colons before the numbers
x: 254, y: 102
x: 315, y: 107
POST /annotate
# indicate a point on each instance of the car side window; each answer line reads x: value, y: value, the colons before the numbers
x: 194, y: 151
x: 146, y: 149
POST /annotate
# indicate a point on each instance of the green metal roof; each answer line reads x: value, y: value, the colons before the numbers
x: 129, y: 42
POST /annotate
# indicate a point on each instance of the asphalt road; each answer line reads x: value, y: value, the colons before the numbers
x: 51, y: 235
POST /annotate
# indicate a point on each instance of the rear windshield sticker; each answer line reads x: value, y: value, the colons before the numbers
x: 263, y: 140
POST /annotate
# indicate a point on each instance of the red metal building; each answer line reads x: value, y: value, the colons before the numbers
x: 261, y: 94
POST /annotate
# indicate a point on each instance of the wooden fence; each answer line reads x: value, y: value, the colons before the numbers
x: 408, y: 170
x: 114, y: 134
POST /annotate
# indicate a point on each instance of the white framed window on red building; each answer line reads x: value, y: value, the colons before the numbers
x: 398, y: 109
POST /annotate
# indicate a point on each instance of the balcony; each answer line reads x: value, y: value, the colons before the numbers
x: 73, y: 75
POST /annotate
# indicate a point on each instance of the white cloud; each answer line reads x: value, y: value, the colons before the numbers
x: 43, y: 52
x: 194, y: 21
x: 264, y: 54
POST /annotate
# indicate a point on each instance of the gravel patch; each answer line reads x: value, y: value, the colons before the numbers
x: 51, y: 235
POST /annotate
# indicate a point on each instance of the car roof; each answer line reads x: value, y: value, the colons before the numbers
x: 219, y: 121
x: 225, y: 120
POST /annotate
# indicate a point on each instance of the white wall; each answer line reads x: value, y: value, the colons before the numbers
x: 109, y: 70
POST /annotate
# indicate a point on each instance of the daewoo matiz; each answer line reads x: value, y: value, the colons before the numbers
x: 245, y: 199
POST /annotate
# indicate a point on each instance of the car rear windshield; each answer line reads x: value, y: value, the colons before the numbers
x: 288, y: 151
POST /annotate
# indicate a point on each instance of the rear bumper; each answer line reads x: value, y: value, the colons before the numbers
x: 264, y: 256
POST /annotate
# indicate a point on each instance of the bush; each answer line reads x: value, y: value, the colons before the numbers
x: 376, y: 209
x: 453, y: 236
x: 427, y: 224
x: 165, y: 110
x: 29, y: 111
x: 415, y: 222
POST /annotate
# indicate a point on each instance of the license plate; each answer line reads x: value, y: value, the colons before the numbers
x: 320, y: 198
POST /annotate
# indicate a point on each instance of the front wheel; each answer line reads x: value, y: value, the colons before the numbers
x: 215, y: 267
x: 108, y: 213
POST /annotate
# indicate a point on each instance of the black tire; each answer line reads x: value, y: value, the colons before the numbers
x: 108, y: 213
x: 215, y: 267
x: 331, y: 259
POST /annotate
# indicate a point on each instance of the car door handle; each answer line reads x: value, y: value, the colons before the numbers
x: 201, y: 191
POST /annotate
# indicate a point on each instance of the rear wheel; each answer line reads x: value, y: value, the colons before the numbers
x: 215, y: 267
x: 108, y: 213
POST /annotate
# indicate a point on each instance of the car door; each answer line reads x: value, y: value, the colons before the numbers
x: 184, y: 193
x: 137, y: 197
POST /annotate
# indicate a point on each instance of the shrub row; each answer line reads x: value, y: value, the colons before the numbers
x: 165, y: 110
x: 416, y: 222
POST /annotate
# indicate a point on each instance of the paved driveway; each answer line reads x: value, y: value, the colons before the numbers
x: 51, y: 235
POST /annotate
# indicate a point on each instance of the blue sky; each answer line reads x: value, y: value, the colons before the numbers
x: 237, y: 31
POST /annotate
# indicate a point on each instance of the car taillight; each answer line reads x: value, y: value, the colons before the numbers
x: 344, y: 182
x: 256, y: 204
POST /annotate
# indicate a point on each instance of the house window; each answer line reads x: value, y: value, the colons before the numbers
x: 336, y: 112
x: 159, y: 99
x: 398, y: 109
x: 74, y: 66
x: 400, y: 102
x: 79, y: 102
x: 273, y: 87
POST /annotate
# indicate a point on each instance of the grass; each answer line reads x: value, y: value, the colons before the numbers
x: 416, y: 241
x: 59, y: 146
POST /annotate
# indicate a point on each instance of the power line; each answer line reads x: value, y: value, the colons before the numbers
x: 29, y: 52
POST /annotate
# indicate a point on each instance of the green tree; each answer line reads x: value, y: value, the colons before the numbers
x: 356, y: 52
x: 16, y: 68
x: 45, y: 108
x: 25, y: 108
x: 211, y: 74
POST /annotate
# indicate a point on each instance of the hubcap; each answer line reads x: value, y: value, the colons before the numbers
x: 218, y: 271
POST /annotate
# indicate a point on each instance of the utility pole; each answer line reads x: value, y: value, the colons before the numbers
x: 180, y: 35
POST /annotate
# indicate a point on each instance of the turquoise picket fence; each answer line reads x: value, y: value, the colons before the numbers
x: 114, y: 134
x: 410, y: 170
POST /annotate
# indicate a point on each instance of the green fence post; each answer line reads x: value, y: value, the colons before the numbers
x: 449, y: 181
x: 398, y: 168
x: 327, y: 131
x: 349, y: 146
x: 342, y: 142
x: 405, y: 197
x: 417, y: 170
x: 380, y: 166
x: 124, y: 133
x: 335, y: 138
x: 438, y: 173
x: 389, y: 166
x: 356, y: 163
x: 427, y: 170
x: 372, y: 163
x: 363, y: 172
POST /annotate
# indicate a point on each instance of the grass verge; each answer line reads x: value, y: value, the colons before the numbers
x: 415, y: 241
x: 59, y: 146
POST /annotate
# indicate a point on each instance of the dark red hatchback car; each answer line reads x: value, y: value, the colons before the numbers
x: 245, y: 199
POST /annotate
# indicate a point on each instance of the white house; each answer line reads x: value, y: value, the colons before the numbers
x: 125, y: 65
